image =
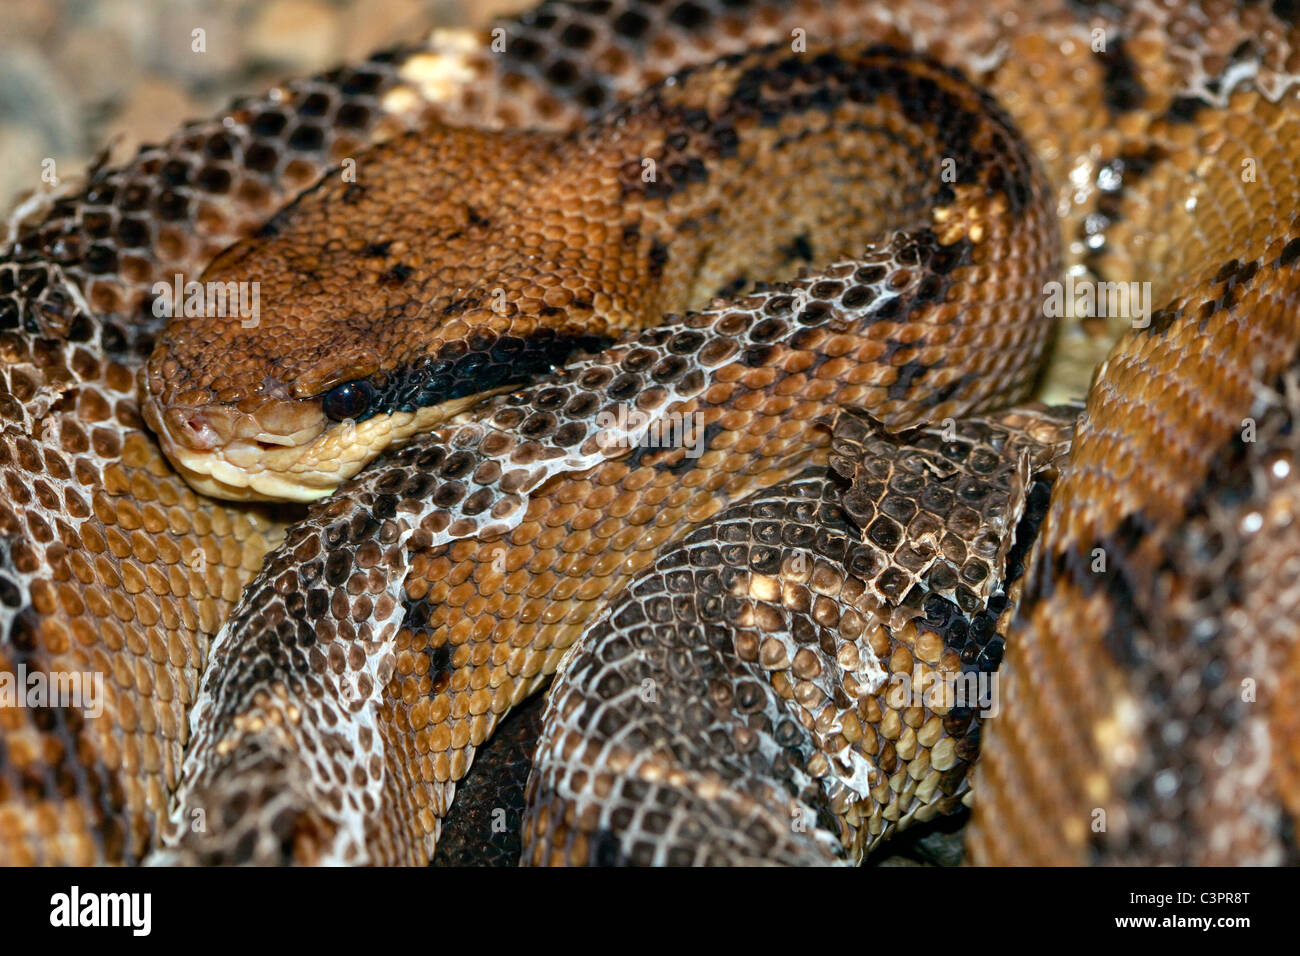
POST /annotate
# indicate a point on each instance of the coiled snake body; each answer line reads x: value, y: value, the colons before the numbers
x: 492, y: 269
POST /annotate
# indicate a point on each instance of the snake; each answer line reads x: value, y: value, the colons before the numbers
x: 674, y: 360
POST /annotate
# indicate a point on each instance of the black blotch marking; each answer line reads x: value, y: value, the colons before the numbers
x: 945, y: 392
x: 439, y: 667
x: 660, y: 458
x: 690, y: 16
x: 1129, y: 168
x: 397, y: 274
x: 630, y: 25
x: 463, y: 304
x: 908, y: 374
x: 1162, y: 320
x: 1087, y: 9
x: 1123, y: 582
x: 733, y: 287
x: 952, y: 256
x: 1229, y: 482
x: 483, y: 362
x: 1031, y: 522
x: 578, y: 36
x: 970, y: 632
x: 1288, y: 11
x: 685, y: 463
x: 376, y: 250
x: 24, y: 634
x: 1124, y: 586
x: 680, y: 166
x: 892, y: 347
x: 1121, y: 88
x: 1245, y: 51
x: 1184, y: 109
x: 1290, y: 253
x: 771, y: 90
x: 798, y: 249
x: 307, y: 139
x: 1179, y: 550
x: 606, y: 850
x: 1235, y: 277
x: 268, y: 124
x: 358, y: 81
x: 273, y: 226
x: 658, y: 258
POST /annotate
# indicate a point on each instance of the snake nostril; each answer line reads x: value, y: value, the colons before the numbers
x: 203, y: 434
x: 192, y: 428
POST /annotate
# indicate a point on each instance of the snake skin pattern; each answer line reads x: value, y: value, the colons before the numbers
x: 472, y: 300
x: 735, y: 705
x: 310, y: 685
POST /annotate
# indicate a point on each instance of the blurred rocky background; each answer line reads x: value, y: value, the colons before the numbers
x: 77, y: 76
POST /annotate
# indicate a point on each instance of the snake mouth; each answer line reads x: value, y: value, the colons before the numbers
x: 228, y: 454
x: 283, y: 452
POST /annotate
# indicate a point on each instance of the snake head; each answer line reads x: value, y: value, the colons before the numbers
x: 282, y: 440
x: 378, y: 310
x: 264, y: 414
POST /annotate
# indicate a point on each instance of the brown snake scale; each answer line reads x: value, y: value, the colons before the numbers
x: 818, y: 239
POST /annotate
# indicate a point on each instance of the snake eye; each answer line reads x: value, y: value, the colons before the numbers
x: 349, y: 400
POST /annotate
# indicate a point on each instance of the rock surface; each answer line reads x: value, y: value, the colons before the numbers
x: 79, y: 75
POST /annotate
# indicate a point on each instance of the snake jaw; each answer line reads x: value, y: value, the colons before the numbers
x: 283, y: 451
x: 233, y: 473
x: 225, y: 453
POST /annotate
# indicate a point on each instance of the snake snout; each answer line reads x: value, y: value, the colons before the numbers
x: 197, y: 429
